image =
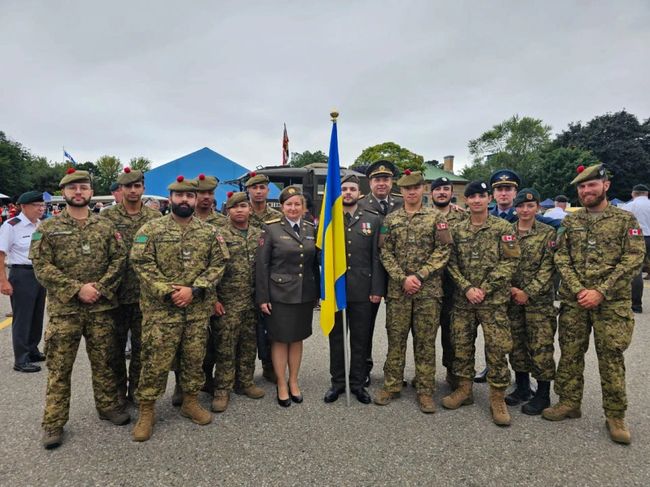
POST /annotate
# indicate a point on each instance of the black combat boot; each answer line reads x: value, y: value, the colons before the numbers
x: 522, y: 392
x: 541, y: 401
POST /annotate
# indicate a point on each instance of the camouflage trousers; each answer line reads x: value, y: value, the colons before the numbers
x: 533, y: 338
x: 498, y: 342
x: 235, y: 341
x: 160, y: 343
x: 612, y: 324
x: 62, y: 337
x: 421, y: 317
x: 128, y: 317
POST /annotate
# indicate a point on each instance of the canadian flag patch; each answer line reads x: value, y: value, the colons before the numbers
x: 442, y: 226
x: 635, y: 232
x: 508, y: 238
x: 552, y: 243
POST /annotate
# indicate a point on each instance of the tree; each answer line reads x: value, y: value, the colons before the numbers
x: 108, y: 168
x: 390, y: 151
x: 140, y: 163
x: 301, y: 159
x: 514, y: 143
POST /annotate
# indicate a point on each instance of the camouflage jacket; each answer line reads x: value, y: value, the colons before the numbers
x: 166, y: 253
x: 486, y: 258
x: 535, y: 271
x: 218, y: 220
x: 453, y: 218
x: 257, y: 220
x: 236, y: 290
x: 66, y: 256
x: 128, y: 225
x: 417, y: 245
x: 602, y: 252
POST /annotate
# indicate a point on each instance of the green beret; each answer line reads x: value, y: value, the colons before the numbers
x: 182, y: 184
x: 206, y: 183
x: 130, y: 176
x: 288, y: 192
x: 596, y: 171
x: 350, y: 178
x: 30, y: 197
x: 74, y: 176
x: 525, y: 195
x: 254, y: 178
x: 235, y: 198
x: 410, y: 178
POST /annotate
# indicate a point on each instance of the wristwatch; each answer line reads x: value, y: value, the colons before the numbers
x: 197, y: 292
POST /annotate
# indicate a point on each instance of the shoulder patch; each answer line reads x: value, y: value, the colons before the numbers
x: 442, y: 226
x: 508, y: 238
x: 635, y: 232
x: 14, y: 221
x: 36, y: 236
x: 141, y: 239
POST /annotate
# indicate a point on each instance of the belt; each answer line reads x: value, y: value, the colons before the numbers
x: 21, y: 266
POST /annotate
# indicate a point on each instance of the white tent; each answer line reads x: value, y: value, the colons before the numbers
x: 4, y: 196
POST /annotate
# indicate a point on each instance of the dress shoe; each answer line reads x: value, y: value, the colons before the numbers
x: 637, y: 309
x: 285, y: 403
x: 297, y: 399
x: 481, y: 377
x: 332, y: 394
x: 27, y: 367
x: 37, y: 357
x: 362, y: 396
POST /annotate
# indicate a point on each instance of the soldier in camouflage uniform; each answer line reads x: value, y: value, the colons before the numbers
x: 234, y: 327
x: 442, y: 190
x: 415, y: 249
x: 179, y: 260
x: 533, y: 318
x: 257, y: 187
x: 484, y: 257
x: 128, y: 216
x: 79, y: 258
x: 600, y: 249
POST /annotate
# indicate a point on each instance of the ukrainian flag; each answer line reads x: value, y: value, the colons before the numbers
x: 331, y: 240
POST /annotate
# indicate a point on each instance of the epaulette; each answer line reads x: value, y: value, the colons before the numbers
x: 275, y: 220
x: 397, y: 195
x: 370, y: 210
x: 14, y: 221
x: 309, y: 223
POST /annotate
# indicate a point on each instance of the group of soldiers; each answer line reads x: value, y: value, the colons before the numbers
x: 182, y: 286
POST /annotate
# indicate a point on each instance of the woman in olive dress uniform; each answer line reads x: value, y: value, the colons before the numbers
x: 288, y: 288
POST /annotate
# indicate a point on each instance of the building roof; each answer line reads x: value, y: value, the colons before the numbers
x: 432, y: 172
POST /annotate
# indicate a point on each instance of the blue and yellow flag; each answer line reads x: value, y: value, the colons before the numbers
x: 331, y: 241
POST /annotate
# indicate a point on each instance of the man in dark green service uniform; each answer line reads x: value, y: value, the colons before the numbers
x: 599, y: 251
x: 79, y: 258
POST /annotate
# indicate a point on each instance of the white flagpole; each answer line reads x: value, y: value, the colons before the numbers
x: 346, y: 355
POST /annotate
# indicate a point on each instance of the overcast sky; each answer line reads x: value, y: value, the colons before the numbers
x: 161, y: 79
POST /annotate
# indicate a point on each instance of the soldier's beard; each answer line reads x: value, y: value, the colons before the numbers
x: 596, y: 201
x: 182, y: 210
x: 441, y: 204
x: 72, y: 202
x: 349, y: 203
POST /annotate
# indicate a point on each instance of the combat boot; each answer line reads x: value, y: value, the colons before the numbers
x: 452, y: 380
x: 618, y: 430
x: 541, y: 401
x: 522, y: 392
x: 220, y: 400
x: 500, y: 414
x: 121, y: 397
x: 561, y: 411
x: 462, y: 395
x: 253, y: 392
x: 177, y: 397
x: 383, y: 397
x: 117, y: 416
x: 52, y: 438
x: 193, y: 410
x: 426, y: 403
x: 144, y: 427
x: 268, y: 373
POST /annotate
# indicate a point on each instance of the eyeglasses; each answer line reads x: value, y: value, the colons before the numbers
x: 78, y: 187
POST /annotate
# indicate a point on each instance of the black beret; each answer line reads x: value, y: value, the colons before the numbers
x: 443, y: 181
x: 30, y: 197
x: 114, y: 187
x: 476, y: 187
x: 560, y: 198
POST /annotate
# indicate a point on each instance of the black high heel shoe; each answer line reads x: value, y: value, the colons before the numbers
x: 285, y: 403
x: 297, y: 399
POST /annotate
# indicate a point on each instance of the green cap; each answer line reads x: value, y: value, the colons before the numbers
x: 410, y: 178
x: 74, y: 176
x: 350, y: 178
x: 130, y: 176
x: 596, y: 171
x: 525, y: 195
x: 235, y: 198
x: 182, y: 184
x: 288, y: 192
x: 206, y: 183
x: 30, y: 197
x: 254, y: 178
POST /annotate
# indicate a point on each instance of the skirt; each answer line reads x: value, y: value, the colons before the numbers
x: 289, y: 322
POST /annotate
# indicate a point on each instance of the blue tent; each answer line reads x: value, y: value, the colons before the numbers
x: 547, y: 203
x: 204, y: 161
x: 617, y: 202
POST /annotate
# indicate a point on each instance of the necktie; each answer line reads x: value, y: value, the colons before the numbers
x: 503, y: 215
x: 384, y: 207
x: 348, y: 217
x: 296, y: 229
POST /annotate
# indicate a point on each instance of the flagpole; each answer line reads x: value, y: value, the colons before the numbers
x: 346, y: 355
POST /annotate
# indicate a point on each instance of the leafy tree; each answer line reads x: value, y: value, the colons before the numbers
x: 88, y: 166
x: 301, y: 159
x: 108, y: 168
x: 140, y: 163
x: 390, y: 151
x: 14, y: 159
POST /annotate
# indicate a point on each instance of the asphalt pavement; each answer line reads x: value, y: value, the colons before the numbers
x: 256, y: 442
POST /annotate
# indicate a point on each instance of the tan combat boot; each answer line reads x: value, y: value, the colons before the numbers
x: 177, y: 397
x: 144, y: 427
x: 561, y: 411
x: 253, y: 392
x: 462, y: 396
x: 383, y: 397
x: 500, y: 414
x: 52, y: 438
x: 426, y: 403
x: 618, y: 430
x: 193, y: 410
x: 220, y: 401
